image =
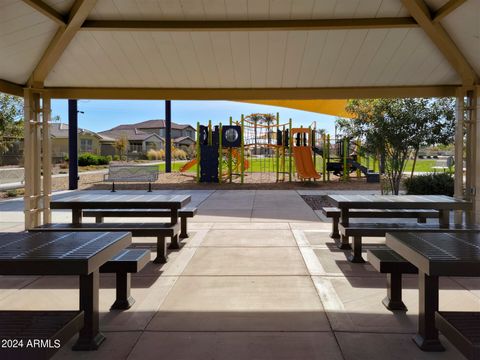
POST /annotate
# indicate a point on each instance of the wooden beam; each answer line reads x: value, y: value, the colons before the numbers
x: 446, y: 9
x: 250, y: 25
x: 46, y: 10
x: 437, y: 34
x: 249, y: 94
x: 63, y: 37
x: 11, y: 88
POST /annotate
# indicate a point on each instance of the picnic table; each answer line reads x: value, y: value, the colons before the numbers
x: 435, y: 254
x: 444, y: 204
x: 66, y: 253
x: 78, y: 202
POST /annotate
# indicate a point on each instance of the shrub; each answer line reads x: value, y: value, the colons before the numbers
x: 116, y: 158
x: 87, y: 159
x: 179, y: 154
x: 12, y: 193
x: 109, y: 158
x: 430, y: 184
x: 153, y: 154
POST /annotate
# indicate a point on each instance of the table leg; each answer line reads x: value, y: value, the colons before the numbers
x: 90, y: 336
x: 173, y: 216
x: 183, y: 228
x: 356, y: 257
x: 427, y: 336
x: 335, y: 234
x: 344, y: 220
x: 444, y: 218
x: 76, y: 216
x: 161, y: 251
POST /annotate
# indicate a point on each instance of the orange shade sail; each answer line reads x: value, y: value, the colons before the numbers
x: 328, y: 107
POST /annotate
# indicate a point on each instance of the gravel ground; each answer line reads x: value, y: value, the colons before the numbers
x: 317, y: 202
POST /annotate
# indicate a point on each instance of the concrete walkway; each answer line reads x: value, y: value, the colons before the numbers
x: 258, y: 278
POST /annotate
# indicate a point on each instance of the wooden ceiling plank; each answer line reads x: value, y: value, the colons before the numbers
x: 79, y: 12
x: 250, y: 25
x: 251, y: 93
x: 11, y: 88
x: 438, y: 35
x: 446, y: 9
x: 46, y: 10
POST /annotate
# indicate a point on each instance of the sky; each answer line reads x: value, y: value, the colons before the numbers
x: 99, y: 115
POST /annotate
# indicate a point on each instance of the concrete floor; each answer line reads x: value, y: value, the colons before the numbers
x: 258, y: 278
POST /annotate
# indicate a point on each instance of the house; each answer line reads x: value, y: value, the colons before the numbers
x: 88, y: 141
x: 182, y: 135
x: 139, y: 142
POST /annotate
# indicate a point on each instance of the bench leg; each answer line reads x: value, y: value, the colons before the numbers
x: 90, y: 336
x: 356, y: 257
x: 393, y: 301
x: 174, y: 244
x: 98, y: 220
x: 124, y: 300
x: 161, y: 251
x: 335, y: 234
x: 183, y: 228
x: 344, y: 243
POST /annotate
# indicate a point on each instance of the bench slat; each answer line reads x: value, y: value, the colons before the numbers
x: 385, y: 260
x: 137, y: 229
x: 380, y: 229
x: 333, y: 212
x: 462, y: 329
x: 185, y: 212
x: 127, y: 260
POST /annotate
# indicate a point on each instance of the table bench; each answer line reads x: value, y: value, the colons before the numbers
x: 462, y: 329
x: 334, y: 213
x: 183, y: 214
x: 52, y: 329
x: 387, y: 261
x: 358, y: 230
x: 160, y: 231
x: 132, y: 173
x: 123, y: 264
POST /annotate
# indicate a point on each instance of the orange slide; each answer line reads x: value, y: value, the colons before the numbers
x: 188, y: 165
x: 304, y: 163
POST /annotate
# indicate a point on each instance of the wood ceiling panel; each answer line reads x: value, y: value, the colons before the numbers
x: 314, y: 46
x: 330, y: 53
x: 187, y: 55
x: 216, y: 9
x: 240, y: 45
x: 277, y: 43
x: 206, y: 57
x: 259, y: 58
x: 295, y: 50
x: 223, y: 55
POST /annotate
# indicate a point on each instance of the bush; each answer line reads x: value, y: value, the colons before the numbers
x: 116, y: 158
x: 430, y: 184
x: 179, y: 154
x: 12, y: 193
x: 109, y: 158
x: 153, y: 154
x: 88, y: 159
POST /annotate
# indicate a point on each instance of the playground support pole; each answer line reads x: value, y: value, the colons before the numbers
x: 324, y: 159
x: 359, y: 159
x: 328, y: 155
x: 277, y: 148
x: 220, y: 154
x: 314, y: 144
x: 291, y: 150
x: 242, y: 148
x: 230, y: 159
x: 345, y: 150
x: 210, y: 135
x: 198, y: 152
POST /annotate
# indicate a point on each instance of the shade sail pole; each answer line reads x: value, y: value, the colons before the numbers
x: 168, y: 136
x: 46, y: 159
x: 459, y: 146
x: 72, y: 144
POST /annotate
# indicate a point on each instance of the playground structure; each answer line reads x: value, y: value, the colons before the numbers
x: 274, y: 150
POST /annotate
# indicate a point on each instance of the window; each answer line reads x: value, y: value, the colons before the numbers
x: 135, y: 146
x: 86, y: 145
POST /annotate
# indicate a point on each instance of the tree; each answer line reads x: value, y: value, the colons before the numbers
x: 393, y: 128
x: 11, y: 121
x: 269, y: 119
x: 121, y: 145
x: 255, y: 118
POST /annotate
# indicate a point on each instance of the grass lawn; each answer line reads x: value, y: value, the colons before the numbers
x: 269, y: 165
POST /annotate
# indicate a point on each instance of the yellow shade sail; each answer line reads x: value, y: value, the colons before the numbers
x: 327, y: 107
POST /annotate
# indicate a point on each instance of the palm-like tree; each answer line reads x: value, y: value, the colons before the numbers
x: 269, y: 119
x: 255, y: 118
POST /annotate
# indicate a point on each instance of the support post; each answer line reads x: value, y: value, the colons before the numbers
x: 242, y: 150
x: 458, y: 189
x: 46, y: 159
x: 198, y: 152
x: 476, y: 119
x: 291, y: 150
x: 168, y: 136
x: 230, y: 150
x: 470, y: 121
x: 72, y: 144
x: 277, y: 148
x: 328, y: 156
x: 324, y: 159
x: 345, y: 164
x: 220, y: 154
